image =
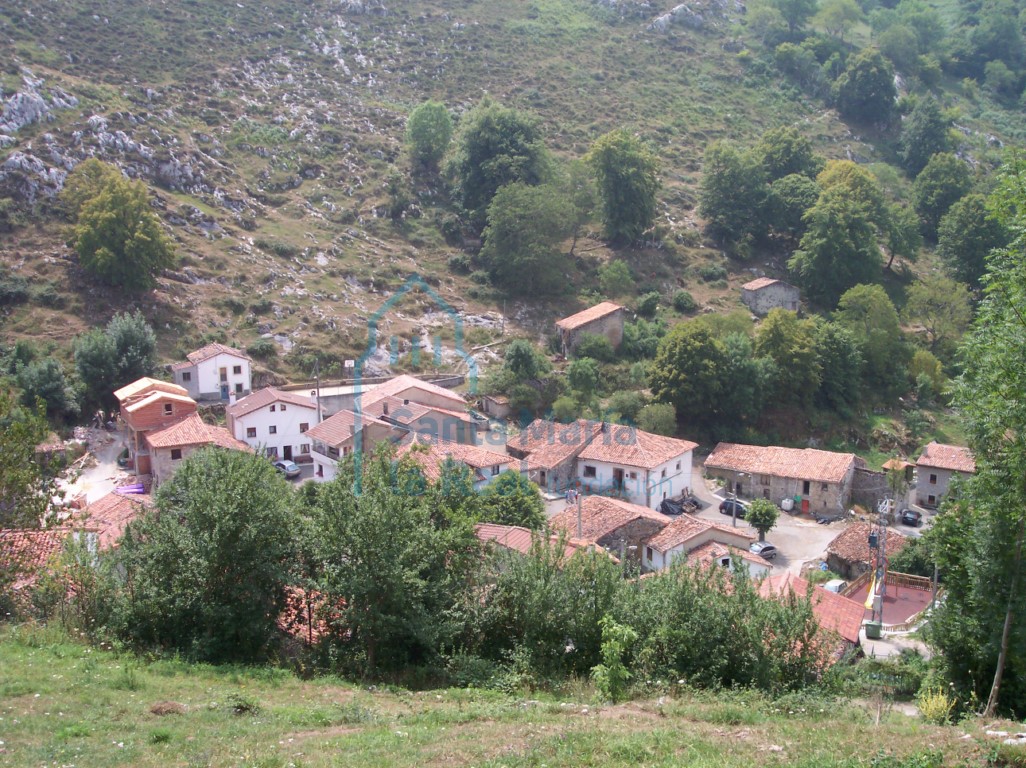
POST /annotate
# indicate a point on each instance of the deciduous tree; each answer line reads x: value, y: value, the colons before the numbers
x: 628, y: 179
x: 512, y: 499
x: 865, y: 90
x: 942, y: 308
x: 428, y: 133
x: 762, y: 515
x: 941, y: 184
x: 923, y: 134
x: 968, y: 232
x: 26, y: 486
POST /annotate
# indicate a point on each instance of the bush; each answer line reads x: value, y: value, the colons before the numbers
x: 648, y: 304
x: 935, y: 705
x: 14, y: 289
x: 615, y: 278
x: 459, y: 263
x: 711, y: 272
x: 596, y: 347
x: 479, y: 276
x: 684, y: 302
x: 263, y: 349
x: 566, y: 409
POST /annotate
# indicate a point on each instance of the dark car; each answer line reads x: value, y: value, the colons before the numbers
x: 727, y: 507
x: 288, y: 468
x: 911, y: 517
x: 763, y: 549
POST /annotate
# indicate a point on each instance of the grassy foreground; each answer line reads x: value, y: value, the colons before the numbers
x: 62, y: 703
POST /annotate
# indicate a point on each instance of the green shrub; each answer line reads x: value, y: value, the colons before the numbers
x: 459, y: 263
x: 479, y: 276
x: 263, y: 349
x: 596, y: 347
x: 14, y: 289
x: 684, y: 302
x: 648, y: 304
x: 711, y: 272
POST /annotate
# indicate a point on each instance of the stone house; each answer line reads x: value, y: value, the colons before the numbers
x: 618, y: 526
x: 548, y: 451
x: 168, y: 446
x: 496, y: 406
x: 839, y: 617
x: 605, y: 319
x: 689, y: 537
x: 765, y: 293
x: 850, y: 555
x: 343, y: 433
x: 819, y: 482
x: 215, y: 372
x: 936, y: 467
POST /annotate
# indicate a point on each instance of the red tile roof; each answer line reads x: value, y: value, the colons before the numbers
x: 406, y: 411
x: 835, y: 613
x: 685, y: 528
x: 711, y: 552
x: 601, y: 516
x: 399, y: 386
x: 430, y: 454
x: 27, y: 552
x: 852, y: 544
x: 193, y: 431
x: 303, y: 615
x: 213, y: 350
x: 265, y: 397
x: 626, y: 445
x: 146, y: 385
x: 109, y: 516
x: 761, y: 282
x: 548, y: 444
x: 340, y: 427
x: 518, y: 539
x: 953, y: 457
x: 589, y: 315
x: 795, y: 463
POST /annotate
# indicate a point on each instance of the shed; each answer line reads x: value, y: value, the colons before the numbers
x: 765, y: 293
x: 605, y: 319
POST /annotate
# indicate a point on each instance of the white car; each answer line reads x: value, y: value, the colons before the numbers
x: 763, y: 549
x: 288, y: 468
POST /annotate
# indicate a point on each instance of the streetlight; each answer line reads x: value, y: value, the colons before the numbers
x: 733, y: 508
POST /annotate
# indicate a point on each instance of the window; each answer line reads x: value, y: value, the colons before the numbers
x: 272, y: 453
x: 224, y: 375
x: 764, y: 480
x: 273, y: 406
x: 589, y: 471
x: 250, y: 431
x: 806, y: 487
x: 825, y: 488
x: 725, y: 562
x: 931, y: 501
x: 169, y: 409
x: 933, y: 479
x: 176, y: 454
x: 678, y: 466
x: 495, y: 469
x: 332, y: 452
x: 237, y: 370
x: 303, y: 427
x: 304, y: 448
x: 634, y: 475
x: 238, y: 389
x: 648, y: 554
x: 283, y: 406
x: 664, y: 473
x: 272, y: 430
x: 186, y: 376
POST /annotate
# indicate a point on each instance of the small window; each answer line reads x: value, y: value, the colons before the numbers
x: 725, y: 562
x: 250, y: 431
x: 224, y: 375
x: 304, y: 448
x: 237, y: 370
x: 303, y: 427
x: 272, y: 453
x: 176, y: 454
x: 186, y: 376
x: 806, y: 487
x: 283, y: 406
x: 169, y: 409
x: 272, y: 430
x: 648, y: 554
x: 664, y: 474
x: 634, y: 475
x: 933, y: 479
x: 273, y: 406
x: 931, y: 500
x: 495, y: 469
x: 678, y: 466
x: 825, y: 487
x: 589, y: 471
x: 238, y: 389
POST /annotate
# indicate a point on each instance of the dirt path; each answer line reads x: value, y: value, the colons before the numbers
x: 101, y: 473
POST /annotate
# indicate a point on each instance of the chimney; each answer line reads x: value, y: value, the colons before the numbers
x: 384, y: 408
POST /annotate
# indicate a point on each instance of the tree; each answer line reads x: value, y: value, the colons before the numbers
x: 968, y: 232
x: 583, y: 376
x: 428, y: 133
x: 392, y: 580
x: 733, y: 193
x: 923, y: 134
x: 790, y: 343
x: 687, y: 371
x: 88, y: 179
x: 577, y: 185
x: 900, y: 45
x: 790, y: 198
x: 524, y: 362
x: 841, y: 366
x: 942, y: 308
x: 615, y: 278
x: 495, y: 146
x: 44, y: 380
x: 747, y: 383
x: 26, y: 487
x: 942, y: 183
x: 762, y: 515
x: 795, y: 12
x: 658, y: 418
x: 903, y: 237
x: 512, y: 499
x: 838, y: 250
x: 120, y: 240
x: 122, y: 353
x: 838, y: 16
x: 865, y: 90
x: 205, y: 573
x: 784, y: 151
x: 869, y: 315
x: 628, y: 180
x: 526, y: 225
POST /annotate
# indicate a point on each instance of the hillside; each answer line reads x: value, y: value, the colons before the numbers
x: 74, y: 704
x: 270, y: 135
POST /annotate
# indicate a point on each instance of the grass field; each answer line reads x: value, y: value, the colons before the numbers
x: 64, y: 703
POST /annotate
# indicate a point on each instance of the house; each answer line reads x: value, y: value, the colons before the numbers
x: 343, y: 433
x: 714, y: 553
x: 496, y: 406
x: 430, y: 455
x: 818, y: 481
x: 548, y: 451
x: 689, y: 537
x: 515, y: 538
x: 24, y: 554
x: 619, y: 526
x: 850, y: 554
x: 274, y: 422
x: 415, y: 390
x: 107, y: 517
x: 641, y: 467
x: 605, y: 319
x: 838, y: 616
x: 169, y: 445
x: 936, y: 467
x: 215, y: 372
x: 763, y: 294
x: 436, y: 422
x: 149, y: 405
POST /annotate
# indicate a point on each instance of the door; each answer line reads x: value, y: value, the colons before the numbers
x: 287, y: 453
x: 224, y: 391
x: 617, y: 479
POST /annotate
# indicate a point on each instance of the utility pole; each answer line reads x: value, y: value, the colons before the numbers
x: 317, y: 375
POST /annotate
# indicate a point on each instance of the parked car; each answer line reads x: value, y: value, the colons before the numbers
x: 727, y: 507
x: 763, y: 549
x: 288, y: 468
x: 835, y: 585
x: 911, y: 517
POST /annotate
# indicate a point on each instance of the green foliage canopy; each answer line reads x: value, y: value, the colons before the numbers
x: 628, y: 180
x: 428, y: 133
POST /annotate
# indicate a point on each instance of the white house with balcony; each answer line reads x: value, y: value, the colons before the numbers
x: 343, y: 433
x: 275, y: 423
x: 640, y: 467
x: 215, y: 372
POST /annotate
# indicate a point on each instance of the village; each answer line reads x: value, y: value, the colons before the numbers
x: 647, y: 500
